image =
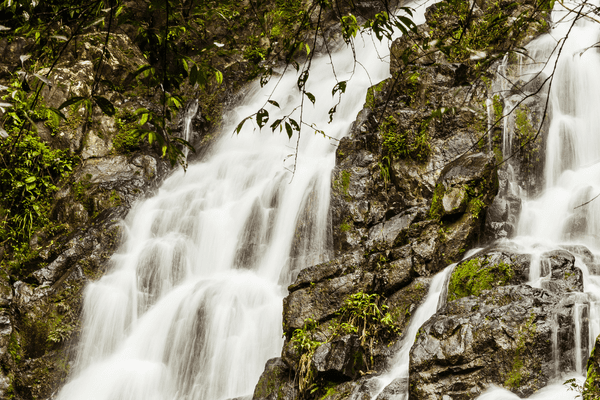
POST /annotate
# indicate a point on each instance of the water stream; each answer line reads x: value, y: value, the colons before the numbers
x: 192, y: 306
x: 571, y: 176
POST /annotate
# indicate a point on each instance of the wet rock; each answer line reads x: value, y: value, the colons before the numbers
x: 388, y: 231
x: 341, y: 359
x: 454, y: 201
x: 588, y: 258
x: 503, y: 337
x: 276, y: 382
x: 322, y: 300
x: 396, y: 274
x: 5, y: 332
x: 564, y: 276
x: 360, y: 389
x: 6, y: 292
x: 530, y: 86
x: 336, y: 267
x: 394, y: 390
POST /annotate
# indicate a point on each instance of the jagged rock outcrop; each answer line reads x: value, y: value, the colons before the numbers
x: 410, y: 193
x: 504, y: 336
x: 495, y: 329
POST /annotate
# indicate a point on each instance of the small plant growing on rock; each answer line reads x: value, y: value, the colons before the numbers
x: 364, y: 315
x: 305, y: 345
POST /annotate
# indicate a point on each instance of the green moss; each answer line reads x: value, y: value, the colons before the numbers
x: 127, y: 139
x: 80, y: 188
x: 114, y: 199
x: 517, y: 372
x: 345, y: 226
x: 14, y: 348
x: 498, y: 108
x: 524, y: 129
x: 437, y: 208
x: 513, y: 380
x: 370, y: 100
x: 345, y: 181
x: 405, y: 144
x: 470, y: 278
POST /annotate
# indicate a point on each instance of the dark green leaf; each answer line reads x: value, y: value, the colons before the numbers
x: 295, y: 124
x: 141, y: 69
x: 105, y: 105
x: 339, y: 87
x: 71, y: 101
x: 332, y: 111
x: 240, y: 125
x: 288, y: 129
x: 262, y: 116
x: 302, y: 79
x: 310, y: 96
x: 276, y: 104
x: 276, y: 124
x: 57, y: 112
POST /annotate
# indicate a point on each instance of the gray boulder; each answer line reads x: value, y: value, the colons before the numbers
x: 276, y: 382
x: 517, y: 337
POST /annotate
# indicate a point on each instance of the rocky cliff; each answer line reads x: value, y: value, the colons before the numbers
x: 419, y: 181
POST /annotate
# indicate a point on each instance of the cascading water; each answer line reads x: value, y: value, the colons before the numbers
x: 192, y: 307
x: 571, y: 176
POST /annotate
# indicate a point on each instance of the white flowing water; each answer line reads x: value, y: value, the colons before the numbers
x: 400, y: 362
x: 572, y: 176
x: 192, y: 306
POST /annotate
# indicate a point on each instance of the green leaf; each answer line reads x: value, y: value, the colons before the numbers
x: 295, y: 124
x: 71, y: 101
x: 332, y: 111
x: 185, y: 143
x: 240, y: 125
x: 310, y: 96
x: 141, y: 69
x: 57, y: 112
x: 276, y: 104
x: 143, y: 119
x: 288, y: 129
x: 302, y: 79
x: 194, y: 75
x: 276, y: 124
x: 219, y: 76
x: 262, y: 116
x: 30, y: 179
x: 105, y: 105
x: 339, y: 87
x: 141, y: 110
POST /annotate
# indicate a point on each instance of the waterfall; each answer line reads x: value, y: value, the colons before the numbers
x: 401, y: 361
x: 191, y: 307
x: 572, y: 178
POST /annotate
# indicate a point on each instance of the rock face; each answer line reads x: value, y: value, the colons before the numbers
x: 41, y: 292
x: 412, y: 186
x: 495, y: 329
